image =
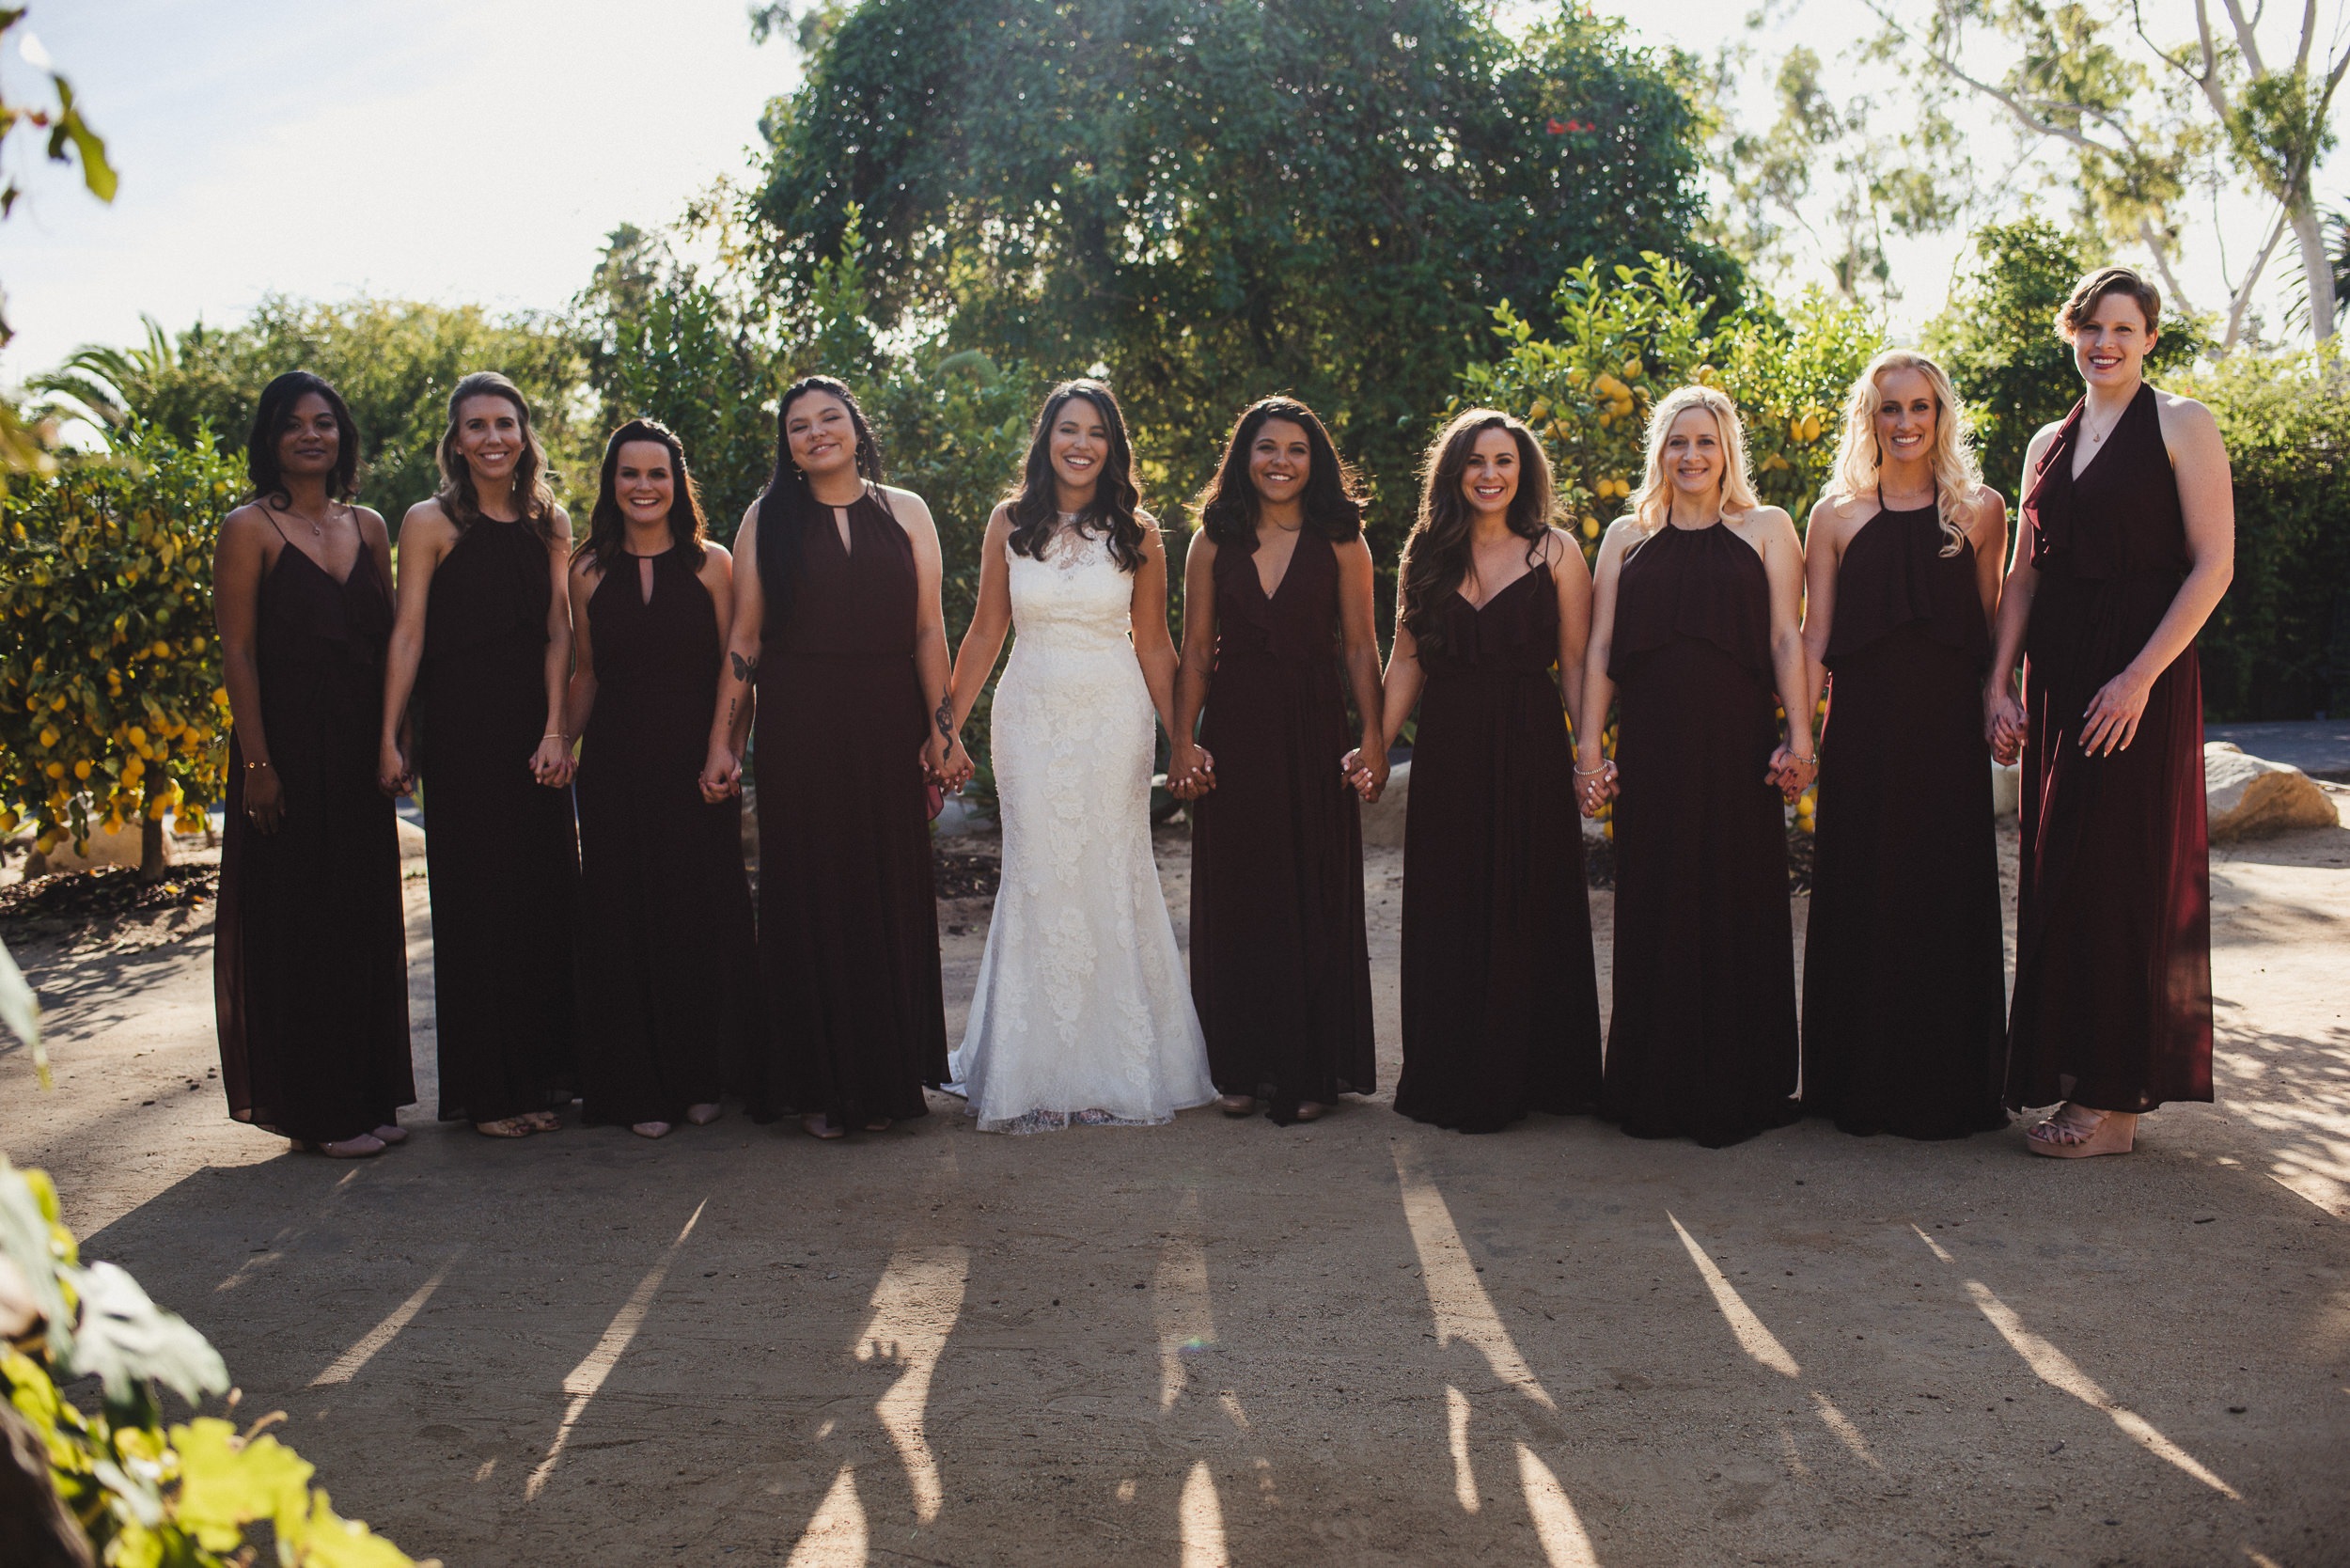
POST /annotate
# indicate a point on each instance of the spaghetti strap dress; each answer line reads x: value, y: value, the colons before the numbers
x: 310, y: 959
x: 667, y: 965
x: 1280, y: 965
x: 2113, y: 1005
x: 500, y: 846
x: 848, y: 909
x: 1703, y: 1041
x: 1905, y: 982
x: 1500, y: 999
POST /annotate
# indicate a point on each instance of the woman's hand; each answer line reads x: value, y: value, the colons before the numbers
x: 550, y: 764
x: 264, y: 797
x: 1190, y: 770
x: 393, y: 776
x: 2004, y: 723
x: 722, y: 775
x: 1791, y: 774
x: 957, y: 769
x: 1594, y: 780
x: 1365, y: 773
x: 2110, y: 723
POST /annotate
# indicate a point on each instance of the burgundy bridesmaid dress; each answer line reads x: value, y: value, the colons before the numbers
x: 310, y: 963
x: 848, y: 911
x: 667, y: 973
x: 1905, y: 983
x: 1500, y: 1002
x: 500, y: 846
x: 2113, y: 1005
x: 1703, y: 1041
x: 1280, y: 967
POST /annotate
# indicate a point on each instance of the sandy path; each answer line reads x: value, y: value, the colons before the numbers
x: 1359, y: 1343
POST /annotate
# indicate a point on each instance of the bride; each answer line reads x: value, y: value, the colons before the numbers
x: 1082, y: 1013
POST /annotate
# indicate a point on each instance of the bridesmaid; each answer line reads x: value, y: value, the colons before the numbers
x: 1905, y: 982
x: 1280, y: 967
x: 310, y: 973
x: 483, y: 643
x: 837, y: 628
x: 2127, y: 544
x: 1696, y: 622
x: 665, y: 946
x: 1500, y: 1004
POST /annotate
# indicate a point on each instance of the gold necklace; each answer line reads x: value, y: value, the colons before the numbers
x: 318, y: 528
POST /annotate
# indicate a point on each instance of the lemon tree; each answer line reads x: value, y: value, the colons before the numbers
x: 111, y: 708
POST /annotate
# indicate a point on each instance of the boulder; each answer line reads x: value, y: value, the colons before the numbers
x: 410, y: 841
x: 118, y: 848
x: 2007, y: 791
x: 2251, y: 797
x: 1382, y: 822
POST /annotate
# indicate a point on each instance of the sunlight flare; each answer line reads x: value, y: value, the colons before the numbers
x: 1202, y: 1521
x: 835, y: 1538
x: 1556, y: 1525
x: 1458, y: 1304
x: 1187, y: 1318
x: 1755, y: 1340
x: 383, y: 1333
x: 915, y: 1309
x: 1846, y: 1434
x: 1456, y: 1422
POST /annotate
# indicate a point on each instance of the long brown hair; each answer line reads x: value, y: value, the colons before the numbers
x: 459, y: 502
x: 1032, y: 503
x: 786, y: 508
x: 1333, y: 501
x: 1436, y: 551
x: 608, y: 528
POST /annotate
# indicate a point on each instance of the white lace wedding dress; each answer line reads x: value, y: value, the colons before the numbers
x: 1082, y: 1012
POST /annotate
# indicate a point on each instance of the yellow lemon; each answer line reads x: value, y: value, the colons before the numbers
x: 55, y: 770
x: 162, y: 650
x: 1540, y: 412
x: 46, y: 843
x: 136, y: 735
x: 196, y: 645
x: 7, y: 821
x: 80, y: 769
x: 1590, y: 526
x: 1631, y: 369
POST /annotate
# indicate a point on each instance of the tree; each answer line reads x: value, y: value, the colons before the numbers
x: 1217, y: 199
x: 1998, y: 341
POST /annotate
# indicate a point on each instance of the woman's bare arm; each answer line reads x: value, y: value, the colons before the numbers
x: 550, y: 764
x: 1155, y: 650
x: 426, y: 537
x: 991, y: 621
x: 580, y: 701
x: 741, y: 625
x: 1190, y: 770
x: 2003, y: 717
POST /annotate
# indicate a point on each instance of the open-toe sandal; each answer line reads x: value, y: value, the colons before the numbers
x: 512, y: 1126
x: 2112, y: 1133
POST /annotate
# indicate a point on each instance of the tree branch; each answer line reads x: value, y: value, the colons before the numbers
x: 2247, y: 42
x: 2161, y: 248
x: 2243, y: 299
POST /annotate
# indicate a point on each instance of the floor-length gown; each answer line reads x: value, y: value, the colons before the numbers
x: 1081, y: 1014
x: 311, y: 962
x: 1280, y: 965
x: 847, y: 908
x: 1702, y: 1042
x: 1501, y: 1002
x: 500, y: 846
x: 1905, y: 984
x: 668, y: 967
x: 2113, y: 1005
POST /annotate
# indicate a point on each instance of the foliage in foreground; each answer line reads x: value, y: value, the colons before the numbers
x: 144, y: 1494
x: 111, y: 710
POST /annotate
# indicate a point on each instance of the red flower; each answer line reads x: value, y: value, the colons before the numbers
x: 1558, y: 130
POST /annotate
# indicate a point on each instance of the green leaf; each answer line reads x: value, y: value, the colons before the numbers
x: 124, y: 1338
x: 226, y: 1484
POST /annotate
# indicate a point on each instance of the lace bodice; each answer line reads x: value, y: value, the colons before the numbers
x: 1072, y: 598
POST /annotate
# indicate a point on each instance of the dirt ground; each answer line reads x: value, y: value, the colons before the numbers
x: 1361, y: 1341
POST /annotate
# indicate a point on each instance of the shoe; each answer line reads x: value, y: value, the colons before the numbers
x: 650, y: 1129
x: 392, y: 1133
x: 2112, y: 1133
x: 1237, y: 1104
x: 512, y: 1126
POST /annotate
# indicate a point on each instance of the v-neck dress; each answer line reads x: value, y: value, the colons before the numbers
x: 1280, y: 966
x: 1702, y: 1044
x: 1500, y: 1002
x: 668, y: 982
x: 310, y: 957
x: 1905, y: 978
x: 848, y: 912
x: 2113, y: 1004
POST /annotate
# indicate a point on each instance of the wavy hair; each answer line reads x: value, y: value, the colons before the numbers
x: 459, y: 502
x: 269, y: 423
x: 1860, y: 458
x: 1226, y: 509
x: 1652, y: 504
x: 1033, y: 504
x: 607, y: 525
x: 1436, y: 551
x: 786, y: 508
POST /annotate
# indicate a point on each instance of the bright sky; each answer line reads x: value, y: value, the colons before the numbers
x: 480, y: 150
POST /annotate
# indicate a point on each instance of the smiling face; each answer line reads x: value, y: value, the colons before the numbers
x: 1489, y: 481
x: 645, y: 483
x: 1906, y: 415
x: 1693, y: 457
x: 310, y: 439
x: 2111, y: 347
x: 1280, y: 460
x: 1078, y: 444
x: 820, y: 434
x: 490, y: 435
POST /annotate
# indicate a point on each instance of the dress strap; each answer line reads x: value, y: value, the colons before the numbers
x: 270, y: 512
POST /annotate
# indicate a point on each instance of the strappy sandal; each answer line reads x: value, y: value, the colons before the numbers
x: 2112, y: 1133
x: 510, y: 1126
x: 542, y: 1120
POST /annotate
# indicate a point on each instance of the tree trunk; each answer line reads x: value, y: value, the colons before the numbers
x: 2317, y: 268
x: 151, y: 866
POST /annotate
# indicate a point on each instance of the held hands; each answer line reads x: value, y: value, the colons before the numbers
x: 1190, y: 770
x: 1595, y: 780
x: 393, y: 776
x: 1790, y: 774
x: 1365, y: 771
x: 2004, y: 723
x: 2110, y: 723
x: 722, y: 775
x: 946, y: 764
x: 552, y: 763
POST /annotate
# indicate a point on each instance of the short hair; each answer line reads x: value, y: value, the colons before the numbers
x: 2082, y: 303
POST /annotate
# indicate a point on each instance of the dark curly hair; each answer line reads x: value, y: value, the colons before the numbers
x: 1436, y: 551
x: 1033, y: 503
x: 607, y: 528
x: 787, y: 510
x: 269, y: 423
x: 1333, y: 502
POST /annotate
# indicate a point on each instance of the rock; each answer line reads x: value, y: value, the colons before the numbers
x: 2007, y: 791
x: 1382, y: 822
x: 118, y: 848
x: 2250, y: 797
x: 410, y: 841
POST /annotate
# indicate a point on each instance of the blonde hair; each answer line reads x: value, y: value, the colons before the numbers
x: 1652, y: 504
x: 1858, y: 461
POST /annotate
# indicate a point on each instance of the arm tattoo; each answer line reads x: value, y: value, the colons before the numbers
x: 946, y: 716
x: 743, y: 669
x: 732, y: 704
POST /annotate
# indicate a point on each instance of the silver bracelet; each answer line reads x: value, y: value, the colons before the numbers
x: 1589, y: 773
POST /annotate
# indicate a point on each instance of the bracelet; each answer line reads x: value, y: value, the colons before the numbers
x: 554, y: 735
x: 263, y: 765
x: 1811, y: 762
x: 1589, y: 773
